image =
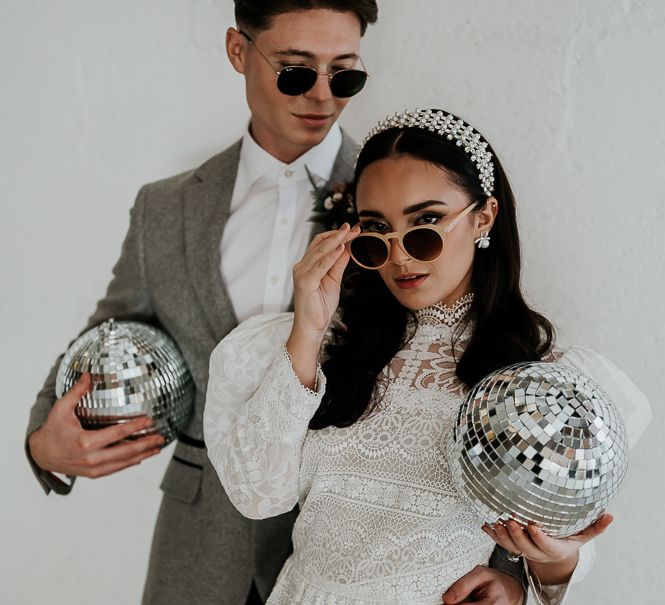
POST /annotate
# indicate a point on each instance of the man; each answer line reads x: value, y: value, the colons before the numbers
x: 206, y: 249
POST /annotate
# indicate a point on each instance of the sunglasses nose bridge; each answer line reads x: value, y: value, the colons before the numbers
x: 396, y: 252
x: 321, y: 89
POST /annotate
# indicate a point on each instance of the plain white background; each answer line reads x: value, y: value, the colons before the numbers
x: 100, y: 97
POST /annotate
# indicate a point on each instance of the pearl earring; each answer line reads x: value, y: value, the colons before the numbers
x: 483, y: 242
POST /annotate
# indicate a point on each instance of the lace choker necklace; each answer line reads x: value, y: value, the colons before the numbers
x: 441, y: 313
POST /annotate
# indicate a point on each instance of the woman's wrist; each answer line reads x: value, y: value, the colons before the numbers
x: 554, y: 572
x: 303, y: 348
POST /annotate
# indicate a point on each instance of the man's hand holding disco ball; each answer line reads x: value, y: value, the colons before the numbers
x: 123, y: 392
x: 62, y: 445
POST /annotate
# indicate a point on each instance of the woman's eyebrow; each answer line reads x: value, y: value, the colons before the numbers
x: 422, y: 205
x: 370, y: 213
x: 408, y: 210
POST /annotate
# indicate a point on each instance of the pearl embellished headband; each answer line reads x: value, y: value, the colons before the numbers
x: 453, y: 128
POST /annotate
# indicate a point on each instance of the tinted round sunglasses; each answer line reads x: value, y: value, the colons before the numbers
x: 294, y: 80
x: 422, y: 243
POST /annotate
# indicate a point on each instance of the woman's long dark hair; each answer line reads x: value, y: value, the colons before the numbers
x: 374, y: 324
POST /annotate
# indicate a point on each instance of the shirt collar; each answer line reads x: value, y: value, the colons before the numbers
x: 255, y: 162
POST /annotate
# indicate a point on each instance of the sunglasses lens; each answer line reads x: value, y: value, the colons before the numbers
x: 347, y: 82
x: 423, y: 244
x: 369, y: 251
x: 294, y: 81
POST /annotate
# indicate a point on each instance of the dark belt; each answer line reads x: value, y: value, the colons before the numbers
x: 187, y: 440
x: 190, y: 451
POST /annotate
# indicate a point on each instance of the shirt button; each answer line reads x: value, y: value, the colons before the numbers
x: 274, y: 279
x: 284, y: 221
x: 288, y: 173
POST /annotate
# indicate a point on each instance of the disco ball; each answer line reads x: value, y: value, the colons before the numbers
x: 136, y: 370
x: 539, y: 442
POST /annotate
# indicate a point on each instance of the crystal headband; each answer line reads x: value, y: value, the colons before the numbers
x: 453, y: 128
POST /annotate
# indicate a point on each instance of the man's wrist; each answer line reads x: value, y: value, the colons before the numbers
x: 499, y: 561
x: 33, y: 447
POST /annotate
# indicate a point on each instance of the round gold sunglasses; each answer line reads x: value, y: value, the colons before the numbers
x: 294, y: 80
x: 422, y: 243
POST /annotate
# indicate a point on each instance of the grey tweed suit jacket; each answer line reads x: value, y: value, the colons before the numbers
x: 168, y: 274
x: 204, y: 551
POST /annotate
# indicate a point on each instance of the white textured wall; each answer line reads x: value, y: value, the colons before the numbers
x: 98, y: 97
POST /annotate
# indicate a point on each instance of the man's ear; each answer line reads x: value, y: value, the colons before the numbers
x: 236, y: 49
x: 485, y: 218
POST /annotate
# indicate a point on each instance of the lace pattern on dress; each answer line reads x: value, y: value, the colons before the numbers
x: 429, y: 359
x: 440, y: 313
x: 380, y: 490
x: 380, y: 518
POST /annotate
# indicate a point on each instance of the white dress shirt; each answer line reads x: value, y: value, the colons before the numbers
x: 268, y: 230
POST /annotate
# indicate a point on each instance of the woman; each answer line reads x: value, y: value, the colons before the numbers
x: 358, y: 441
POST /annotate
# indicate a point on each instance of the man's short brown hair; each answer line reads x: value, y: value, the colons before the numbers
x: 257, y: 15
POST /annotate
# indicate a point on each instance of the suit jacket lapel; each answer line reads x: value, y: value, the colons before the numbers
x: 342, y: 171
x: 206, y: 208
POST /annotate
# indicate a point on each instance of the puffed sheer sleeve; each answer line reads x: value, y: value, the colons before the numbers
x: 636, y: 414
x: 256, y: 416
x: 633, y: 405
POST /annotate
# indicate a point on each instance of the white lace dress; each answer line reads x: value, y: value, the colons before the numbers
x: 380, y: 520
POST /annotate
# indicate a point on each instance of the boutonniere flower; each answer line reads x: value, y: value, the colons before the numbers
x: 333, y: 204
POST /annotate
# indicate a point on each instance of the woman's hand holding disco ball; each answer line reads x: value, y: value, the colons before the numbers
x: 553, y: 560
x: 61, y: 445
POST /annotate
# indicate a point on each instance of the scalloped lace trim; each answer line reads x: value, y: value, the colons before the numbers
x: 441, y: 313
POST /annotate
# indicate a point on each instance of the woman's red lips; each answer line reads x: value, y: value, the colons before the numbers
x: 409, y: 275
x: 410, y: 280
